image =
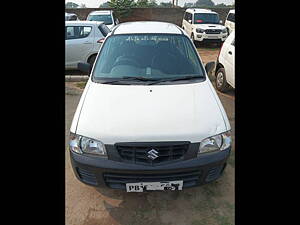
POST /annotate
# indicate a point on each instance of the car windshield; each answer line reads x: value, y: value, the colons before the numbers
x: 105, y: 18
x: 202, y: 18
x: 148, y: 57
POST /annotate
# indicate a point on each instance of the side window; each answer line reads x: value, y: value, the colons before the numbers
x: 233, y: 17
x: 76, y: 32
x: 189, y: 16
x: 230, y: 17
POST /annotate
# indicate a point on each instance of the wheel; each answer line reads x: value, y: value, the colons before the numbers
x: 221, y: 82
x: 92, y: 60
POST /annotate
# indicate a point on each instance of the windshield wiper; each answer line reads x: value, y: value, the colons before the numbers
x: 129, y: 78
x: 175, y: 79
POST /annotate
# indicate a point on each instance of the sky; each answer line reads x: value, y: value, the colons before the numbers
x: 96, y: 3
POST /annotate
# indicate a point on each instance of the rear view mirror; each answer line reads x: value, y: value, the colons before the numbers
x: 84, y: 67
x: 209, y: 67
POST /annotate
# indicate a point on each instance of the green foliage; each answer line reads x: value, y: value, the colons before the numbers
x: 204, y: 3
x: 104, y: 5
x: 146, y: 3
x: 122, y: 8
x: 166, y: 4
x: 71, y: 5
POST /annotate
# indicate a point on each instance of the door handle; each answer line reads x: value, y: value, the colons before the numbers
x: 87, y: 42
x: 230, y: 53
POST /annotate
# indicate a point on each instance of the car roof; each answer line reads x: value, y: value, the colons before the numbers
x: 101, y: 12
x: 83, y: 22
x: 232, y: 11
x: 146, y: 27
x: 197, y: 10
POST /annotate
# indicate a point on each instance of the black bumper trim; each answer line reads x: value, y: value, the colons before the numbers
x: 209, y: 166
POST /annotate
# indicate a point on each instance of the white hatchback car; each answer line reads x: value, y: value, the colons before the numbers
x: 225, y: 75
x: 203, y: 25
x: 230, y: 21
x: 83, y: 41
x: 107, y: 16
x: 149, y: 117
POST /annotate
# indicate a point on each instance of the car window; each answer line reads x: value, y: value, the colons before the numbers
x: 189, y: 16
x: 105, y: 18
x: 231, y: 17
x: 147, y: 55
x: 204, y: 18
x: 76, y: 32
x: 104, y: 29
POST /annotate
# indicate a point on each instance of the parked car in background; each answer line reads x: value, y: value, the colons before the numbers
x: 203, y: 25
x: 83, y: 41
x: 225, y: 72
x: 230, y: 21
x: 71, y: 17
x: 107, y: 16
x: 149, y: 117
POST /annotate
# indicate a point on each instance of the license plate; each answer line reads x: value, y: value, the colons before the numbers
x: 154, y: 186
x: 212, y: 37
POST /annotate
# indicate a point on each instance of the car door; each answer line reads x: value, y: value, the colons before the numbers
x: 79, y: 44
x: 229, y: 63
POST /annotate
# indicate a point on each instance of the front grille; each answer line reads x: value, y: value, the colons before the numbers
x: 87, y: 176
x: 138, y: 153
x: 119, y: 180
x: 212, y: 31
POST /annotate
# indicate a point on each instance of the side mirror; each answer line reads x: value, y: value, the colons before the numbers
x: 221, y: 21
x: 190, y: 21
x: 209, y: 67
x: 84, y: 67
x: 117, y: 22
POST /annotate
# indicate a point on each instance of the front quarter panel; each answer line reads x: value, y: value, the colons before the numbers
x: 79, y: 107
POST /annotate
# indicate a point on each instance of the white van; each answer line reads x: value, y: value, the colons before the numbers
x: 107, y: 16
x: 203, y: 25
x: 149, y: 117
x: 230, y: 21
x: 225, y: 72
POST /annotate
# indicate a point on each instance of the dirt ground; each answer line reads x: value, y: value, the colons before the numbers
x: 210, y: 204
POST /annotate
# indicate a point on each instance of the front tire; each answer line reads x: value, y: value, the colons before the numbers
x: 91, y: 60
x: 221, y: 82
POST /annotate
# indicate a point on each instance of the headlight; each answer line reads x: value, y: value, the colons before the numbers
x: 224, y: 30
x: 215, y: 143
x: 199, y: 30
x: 81, y: 144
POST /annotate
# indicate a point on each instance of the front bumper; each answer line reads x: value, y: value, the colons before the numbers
x: 210, y: 37
x: 101, y: 172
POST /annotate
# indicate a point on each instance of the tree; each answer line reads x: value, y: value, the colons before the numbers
x: 188, y: 5
x: 71, y: 5
x: 146, y: 3
x: 204, y: 3
x: 104, y: 5
x: 82, y: 6
x: 122, y: 8
x: 166, y: 4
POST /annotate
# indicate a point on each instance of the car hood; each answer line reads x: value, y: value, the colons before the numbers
x: 209, y: 26
x: 135, y: 113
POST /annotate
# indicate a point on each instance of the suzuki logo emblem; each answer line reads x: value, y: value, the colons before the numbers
x: 152, y: 154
